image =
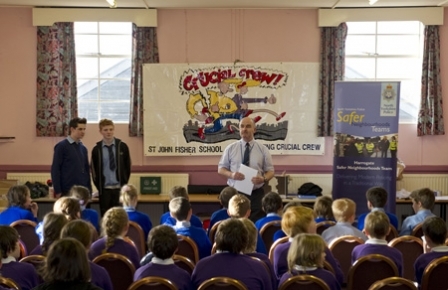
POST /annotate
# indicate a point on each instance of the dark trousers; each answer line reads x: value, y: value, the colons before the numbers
x: 108, y: 199
x: 256, y: 211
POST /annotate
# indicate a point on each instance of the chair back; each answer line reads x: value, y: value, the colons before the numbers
x: 153, y: 283
x: 393, y: 283
x: 434, y: 276
x: 9, y: 284
x: 322, y: 226
x: 369, y: 269
x: 136, y: 234
x: 327, y: 266
x: 120, y: 269
x: 393, y: 233
x: 267, y: 232
x: 36, y: 260
x: 27, y: 232
x: 307, y: 282
x: 222, y: 283
x: 342, y: 248
x: 274, y: 245
x: 213, y: 249
x: 212, y: 232
x: 184, y: 263
x: 417, y: 231
x: 23, y: 252
x: 188, y: 248
x: 411, y: 247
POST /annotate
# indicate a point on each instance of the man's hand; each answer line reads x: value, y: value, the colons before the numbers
x: 257, y: 179
x: 237, y: 176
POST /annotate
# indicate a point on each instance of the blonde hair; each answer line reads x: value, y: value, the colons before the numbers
x: 68, y: 206
x: 81, y: 193
x: 114, y: 223
x: 105, y: 122
x: 239, y: 205
x: 377, y: 224
x: 343, y: 209
x: 178, y: 191
x: 128, y: 194
x: 306, y: 251
x: 252, y: 235
x: 296, y: 220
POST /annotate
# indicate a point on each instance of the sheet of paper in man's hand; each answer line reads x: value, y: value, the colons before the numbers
x: 246, y: 186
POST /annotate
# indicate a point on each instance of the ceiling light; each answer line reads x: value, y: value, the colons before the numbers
x: 371, y: 2
x: 112, y: 3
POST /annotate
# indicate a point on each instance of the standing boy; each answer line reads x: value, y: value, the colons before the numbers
x: 111, y: 166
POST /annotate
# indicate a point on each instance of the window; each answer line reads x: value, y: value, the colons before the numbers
x: 388, y: 51
x: 103, y: 68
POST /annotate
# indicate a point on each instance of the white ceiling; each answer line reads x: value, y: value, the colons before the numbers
x: 225, y: 3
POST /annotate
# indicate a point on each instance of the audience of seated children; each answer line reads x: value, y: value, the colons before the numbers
x: 435, y: 234
x: 376, y: 201
x: 167, y: 219
x: 129, y: 199
x: 82, y: 194
x: 231, y: 240
x: 20, y: 206
x: 251, y: 246
x: 422, y: 202
x: 239, y: 207
x: 322, y: 209
x: 68, y: 206
x: 298, y: 220
x: 24, y: 274
x: 82, y: 231
x: 180, y: 210
x: 344, y: 211
x: 280, y: 234
x: 224, y: 196
x: 52, y: 226
x: 163, y: 243
x: 66, y: 267
x: 306, y: 256
x: 377, y: 227
x: 114, y: 226
x: 272, y: 205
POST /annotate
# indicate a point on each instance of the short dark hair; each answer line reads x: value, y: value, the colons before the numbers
x: 8, y: 240
x: 162, y: 241
x: 231, y: 236
x: 75, y: 121
x: 178, y: 191
x: 179, y: 208
x: 79, y: 230
x: 226, y: 194
x: 377, y: 196
x: 322, y: 207
x: 271, y: 202
x: 81, y: 193
x: 66, y: 262
x: 425, y: 196
x: 435, y: 229
x: 17, y: 195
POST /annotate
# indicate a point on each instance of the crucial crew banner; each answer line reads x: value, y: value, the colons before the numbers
x: 365, y: 140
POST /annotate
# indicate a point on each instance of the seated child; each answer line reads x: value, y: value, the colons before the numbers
x: 298, y: 220
x: 231, y: 240
x: 115, y: 225
x: 167, y: 219
x: 180, y: 210
x: 280, y: 234
x: 23, y: 274
x: 376, y: 228
x: 129, y: 199
x: 376, y: 200
x: 239, y: 207
x: 224, y: 196
x: 82, y: 231
x: 52, y: 226
x: 20, y: 206
x: 251, y: 246
x: 163, y: 243
x: 322, y: 209
x: 82, y: 194
x: 435, y: 233
x: 422, y: 202
x: 306, y: 256
x: 272, y: 205
x: 344, y: 210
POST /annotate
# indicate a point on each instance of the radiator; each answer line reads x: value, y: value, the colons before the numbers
x: 168, y: 179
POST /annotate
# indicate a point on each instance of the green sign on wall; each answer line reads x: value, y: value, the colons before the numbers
x: 150, y: 184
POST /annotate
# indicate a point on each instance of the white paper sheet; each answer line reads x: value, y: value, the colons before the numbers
x: 246, y: 186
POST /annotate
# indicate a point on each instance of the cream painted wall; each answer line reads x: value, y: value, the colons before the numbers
x: 184, y: 36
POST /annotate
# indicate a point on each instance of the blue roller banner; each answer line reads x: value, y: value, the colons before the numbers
x: 365, y: 140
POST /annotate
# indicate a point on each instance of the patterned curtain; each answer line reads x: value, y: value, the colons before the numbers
x: 144, y: 50
x: 332, y: 68
x: 430, y: 116
x: 56, y: 79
